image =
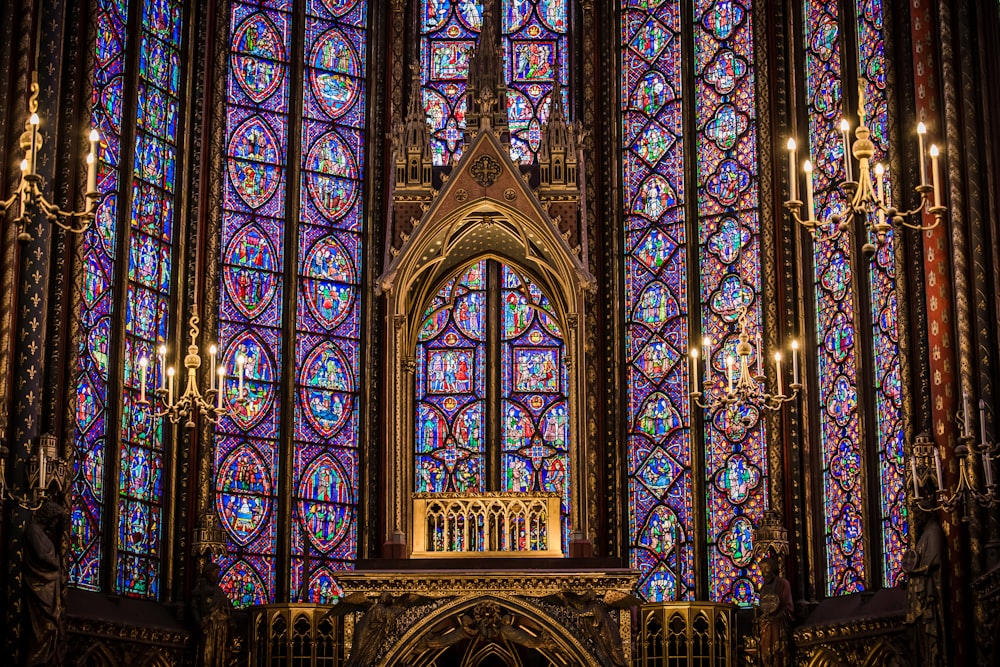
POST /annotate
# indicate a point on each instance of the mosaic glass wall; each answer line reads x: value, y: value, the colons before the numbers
x: 729, y: 231
x: 454, y: 407
x: 325, y: 350
x: 147, y: 257
x: 535, y: 52
x: 248, y: 467
x: 154, y: 177
x: 99, y: 254
x: 888, y: 384
x: 661, y: 517
x: 451, y: 388
x: 840, y: 430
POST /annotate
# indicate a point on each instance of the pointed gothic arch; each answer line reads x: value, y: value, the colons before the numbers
x: 413, y: 650
x: 485, y: 209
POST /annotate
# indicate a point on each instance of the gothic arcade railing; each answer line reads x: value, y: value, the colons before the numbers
x: 685, y: 633
x: 486, y: 524
x: 290, y: 635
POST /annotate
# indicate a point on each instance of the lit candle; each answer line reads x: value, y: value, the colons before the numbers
x: 921, y: 131
x: 777, y: 372
x: 729, y: 371
x: 810, y: 211
x: 880, y: 190
x: 982, y: 422
x: 795, y: 362
x: 143, y: 363
x: 791, y: 168
x: 845, y: 132
x: 34, y: 141
x: 212, y: 352
x: 916, y: 479
x: 222, y: 384
x: 162, y: 356
x: 170, y: 385
x: 935, y: 174
x: 694, y: 370
x: 92, y: 163
x: 937, y: 468
x: 41, y: 466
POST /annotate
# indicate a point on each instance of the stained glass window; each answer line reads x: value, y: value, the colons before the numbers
x: 661, y: 517
x: 835, y: 309
x: 535, y: 52
x: 147, y: 294
x: 451, y: 388
x: 454, y: 406
x: 328, y: 324
x: 735, y: 445
x: 323, y: 357
x: 888, y: 384
x: 146, y: 254
x: 248, y: 465
x: 99, y: 254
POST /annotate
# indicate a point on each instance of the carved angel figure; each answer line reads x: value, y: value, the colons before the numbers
x: 372, y: 631
x: 596, y: 620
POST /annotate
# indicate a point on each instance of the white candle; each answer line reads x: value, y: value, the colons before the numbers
x: 795, y: 362
x: 791, y: 169
x: 916, y: 479
x: 988, y: 468
x: 222, y: 384
x: 92, y: 163
x: 880, y: 190
x: 845, y: 132
x: 143, y: 363
x: 777, y: 372
x: 760, y: 356
x: 707, y: 342
x: 241, y: 362
x: 212, y: 352
x: 41, y: 466
x: 34, y: 142
x: 694, y: 370
x: 23, y: 190
x: 170, y: 386
x: 729, y: 371
x: 966, y: 415
x: 982, y: 422
x: 162, y: 356
x: 810, y: 210
x: 937, y: 468
x: 921, y: 131
x: 935, y: 175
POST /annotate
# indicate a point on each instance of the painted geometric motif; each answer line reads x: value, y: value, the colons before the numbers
x: 332, y: 176
x: 254, y: 162
x: 328, y: 282
x: 243, y: 488
x: 334, y: 73
x: 323, y: 504
x: 325, y: 388
x: 258, y: 58
x: 249, y: 271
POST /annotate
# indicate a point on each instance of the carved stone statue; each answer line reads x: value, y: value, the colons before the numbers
x: 774, y: 617
x: 924, y: 599
x: 212, y: 611
x: 595, y: 619
x: 372, y: 631
x: 43, y: 582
